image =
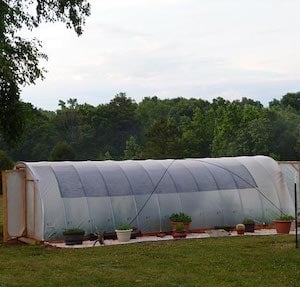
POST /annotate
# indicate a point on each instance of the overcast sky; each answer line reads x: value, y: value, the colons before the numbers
x: 173, y: 48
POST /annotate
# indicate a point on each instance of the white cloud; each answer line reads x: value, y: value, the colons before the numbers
x: 192, y: 48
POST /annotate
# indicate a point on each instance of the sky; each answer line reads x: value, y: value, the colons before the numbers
x: 172, y: 48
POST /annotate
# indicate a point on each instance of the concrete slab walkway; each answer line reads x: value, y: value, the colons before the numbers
x: 208, y: 234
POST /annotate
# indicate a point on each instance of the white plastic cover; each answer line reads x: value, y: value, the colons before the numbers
x: 15, y: 203
x: 102, y: 195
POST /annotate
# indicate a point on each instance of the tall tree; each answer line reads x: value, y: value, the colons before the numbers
x: 122, y: 123
x: 198, y: 134
x: 62, y: 151
x: 19, y: 57
x: 132, y: 149
x: 163, y: 140
x: 290, y: 100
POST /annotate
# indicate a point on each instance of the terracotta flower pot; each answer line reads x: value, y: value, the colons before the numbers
x: 177, y: 234
x: 186, y: 225
x: 240, y: 231
x: 283, y: 226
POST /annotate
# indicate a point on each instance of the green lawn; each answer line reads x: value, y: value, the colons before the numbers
x: 245, y: 261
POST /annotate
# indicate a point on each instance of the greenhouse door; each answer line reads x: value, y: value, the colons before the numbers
x: 14, y: 204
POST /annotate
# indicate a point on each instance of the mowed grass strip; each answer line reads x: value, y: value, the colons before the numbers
x: 244, y: 261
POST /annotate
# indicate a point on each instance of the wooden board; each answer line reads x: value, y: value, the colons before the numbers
x: 4, y: 192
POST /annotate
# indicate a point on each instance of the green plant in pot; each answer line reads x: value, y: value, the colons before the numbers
x: 124, y: 232
x: 249, y: 224
x: 73, y: 236
x: 181, y: 217
x: 240, y: 229
x: 180, y: 231
x: 283, y: 224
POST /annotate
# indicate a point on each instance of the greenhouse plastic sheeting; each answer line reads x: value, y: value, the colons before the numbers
x: 99, y: 196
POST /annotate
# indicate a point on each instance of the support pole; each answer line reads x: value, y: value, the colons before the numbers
x: 296, y: 214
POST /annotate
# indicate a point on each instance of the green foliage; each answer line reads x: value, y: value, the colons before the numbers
x: 124, y: 227
x: 240, y: 226
x: 132, y: 149
x: 105, y: 156
x: 248, y: 221
x: 286, y: 217
x: 288, y: 101
x: 62, y: 151
x: 163, y: 140
x: 5, y: 164
x: 180, y: 217
x: 154, y: 128
x: 179, y: 228
x: 20, y: 57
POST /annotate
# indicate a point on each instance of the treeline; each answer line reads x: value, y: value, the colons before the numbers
x: 155, y: 128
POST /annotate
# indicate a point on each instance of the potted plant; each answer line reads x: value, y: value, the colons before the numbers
x: 240, y: 229
x: 283, y: 224
x: 73, y: 236
x: 180, y: 231
x: 180, y: 217
x: 123, y: 232
x: 249, y: 225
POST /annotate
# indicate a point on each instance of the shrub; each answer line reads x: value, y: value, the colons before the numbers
x: 62, y: 151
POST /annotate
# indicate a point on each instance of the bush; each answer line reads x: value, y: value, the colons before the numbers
x: 5, y: 164
x: 62, y: 151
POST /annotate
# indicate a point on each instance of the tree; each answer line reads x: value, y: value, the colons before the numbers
x: 163, y: 140
x: 105, y: 156
x: 288, y: 101
x: 19, y: 57
x: 39, y: 136
x: 5, y: 164
x: 132, y: 149
x: 120, y: 115
x: 62, y: 151
x: 198, y: 134
x: 67, y: 121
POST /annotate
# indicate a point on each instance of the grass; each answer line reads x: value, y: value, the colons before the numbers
x: 246, y: 261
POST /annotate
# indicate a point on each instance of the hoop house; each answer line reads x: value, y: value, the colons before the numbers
x: 41, y: 199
